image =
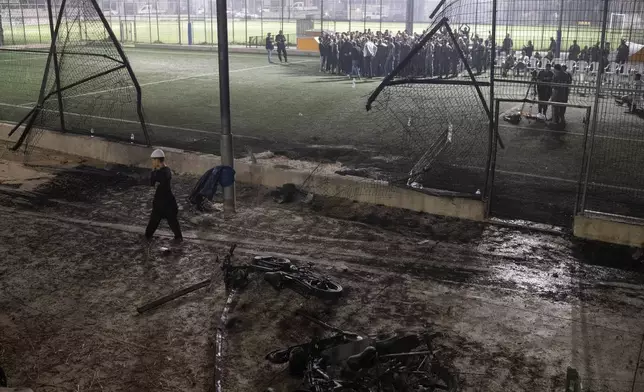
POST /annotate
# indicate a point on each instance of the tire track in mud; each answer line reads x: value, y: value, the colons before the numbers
x: 463, y: 264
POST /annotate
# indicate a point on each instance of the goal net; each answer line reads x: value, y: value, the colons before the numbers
x: 85, y: 83
x: 436, y: 112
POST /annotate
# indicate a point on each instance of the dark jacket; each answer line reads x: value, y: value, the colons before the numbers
x: 356, y: 53
x: 528, y: 50
x: 164, y: 200
x: 281, y: 41
x: 553, y: 46
x: 560, y: 93
x: 622, y: 53
x: 546, y: 77
x: 209, y: 182
x: 573, y: 52
x: 269, y: 43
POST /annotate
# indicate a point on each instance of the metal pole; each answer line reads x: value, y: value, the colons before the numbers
x: 24, y: 28
x: 409, y: 23
x: 232, y: 13
x: 630, y: 30
x: 598, y: 86
x: 380, y: 15
x: 364, y: 16
x: 349, y: 15
x: 212, y: 31
x: 13, y: 40
x: 150, y: 20
x: 321, y: 17
x: 559, y: 37
x: 191, y: 36
x: 54, y: 37
x: 494, y: 108
x: 156, y: 12
x: 282, y: 17
x: 476, y: 18
x: 179, y: 19
x: 38, y: 21
x: 245, y: 20
x: 227, y: 158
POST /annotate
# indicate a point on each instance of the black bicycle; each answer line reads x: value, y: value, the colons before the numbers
x: 280, y: 273
x: 399, y: 363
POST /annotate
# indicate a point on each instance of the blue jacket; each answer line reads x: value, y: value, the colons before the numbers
x: 209, y: 182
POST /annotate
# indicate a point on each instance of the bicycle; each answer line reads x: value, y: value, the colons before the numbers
x: 399, y: 363
x: 280, y: 273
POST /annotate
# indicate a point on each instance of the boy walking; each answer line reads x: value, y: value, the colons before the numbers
x: 164, y: 205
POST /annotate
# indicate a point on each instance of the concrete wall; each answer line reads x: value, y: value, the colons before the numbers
x: 264, y: 173
x: 609, y: 230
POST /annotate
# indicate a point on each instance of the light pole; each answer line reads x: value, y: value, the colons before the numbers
x: 559, y: 36
x: 227, y: 158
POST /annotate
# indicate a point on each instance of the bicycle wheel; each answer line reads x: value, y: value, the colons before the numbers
x: 317, y: 286
x: 272, y: 263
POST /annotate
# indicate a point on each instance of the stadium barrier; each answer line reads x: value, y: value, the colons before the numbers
x: 267, y: 174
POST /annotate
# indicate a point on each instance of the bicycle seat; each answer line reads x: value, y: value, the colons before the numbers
x: 363, y: 360
x: 398, y: 344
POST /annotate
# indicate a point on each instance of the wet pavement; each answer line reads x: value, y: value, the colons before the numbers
x: 516, y: 307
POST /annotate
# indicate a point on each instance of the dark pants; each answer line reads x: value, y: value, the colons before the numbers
x: 367, y: 69
x: 544, y: 96
x: 281, y: 50
x: 155, y: 219
x: 558, y: 113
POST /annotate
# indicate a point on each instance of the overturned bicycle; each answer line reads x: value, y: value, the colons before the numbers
x: 347, y: 362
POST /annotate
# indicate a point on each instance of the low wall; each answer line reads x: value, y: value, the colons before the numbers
x: 606, y: 228
x: 264, y: 173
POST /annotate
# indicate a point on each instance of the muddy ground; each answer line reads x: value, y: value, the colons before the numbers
x: 516, y: 308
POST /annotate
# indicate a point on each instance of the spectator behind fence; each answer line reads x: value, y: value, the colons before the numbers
x: 622, y: 54
x: 528, y: 50
x: 543, y: 87
x: 507, y: 44
x: 559, y: 95
x: 574, y: 51
x: 553, y: 45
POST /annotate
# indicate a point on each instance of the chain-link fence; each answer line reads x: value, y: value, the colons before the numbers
x: 195, y: 21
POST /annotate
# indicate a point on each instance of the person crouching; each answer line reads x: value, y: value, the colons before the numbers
x: 164, y: 205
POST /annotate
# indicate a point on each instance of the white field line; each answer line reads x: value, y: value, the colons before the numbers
x: 29, y: 104
x: 127, y: 121
x: 23, y: 59
x: 179, y: 52
x: 625, y: 139
x: 551, y: 178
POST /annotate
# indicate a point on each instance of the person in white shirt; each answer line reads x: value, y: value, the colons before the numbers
x: 369, y: 51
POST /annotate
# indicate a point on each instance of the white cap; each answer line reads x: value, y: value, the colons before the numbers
x: 157, y: 154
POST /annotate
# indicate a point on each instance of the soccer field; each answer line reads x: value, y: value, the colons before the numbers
x: 295, y: 111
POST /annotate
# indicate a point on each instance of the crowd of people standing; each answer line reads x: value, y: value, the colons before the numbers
x: 374, y: 54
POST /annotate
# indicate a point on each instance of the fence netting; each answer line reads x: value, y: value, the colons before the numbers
x: 83, y: 80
